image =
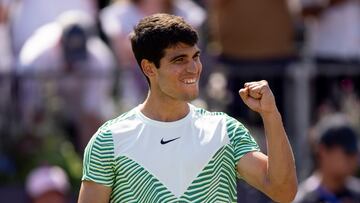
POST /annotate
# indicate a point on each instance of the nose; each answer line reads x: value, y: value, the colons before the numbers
x: 193, y: 66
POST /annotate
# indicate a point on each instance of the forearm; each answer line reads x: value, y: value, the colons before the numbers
x: 275, y: 174
x: 281, y: 173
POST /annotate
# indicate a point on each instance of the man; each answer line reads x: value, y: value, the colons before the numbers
x: 166, y: 150
x: 118, y: 20
x: 337, y: 160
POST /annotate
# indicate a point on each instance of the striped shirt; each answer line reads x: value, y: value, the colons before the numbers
x: 189, y: 160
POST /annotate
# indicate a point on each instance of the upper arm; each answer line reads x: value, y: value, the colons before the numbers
x: 91, y: 192
x: 98, y: 161
x: 98, y: 171
x: 252, y: 167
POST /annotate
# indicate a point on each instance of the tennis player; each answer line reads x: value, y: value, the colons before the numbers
x: 167, y: 150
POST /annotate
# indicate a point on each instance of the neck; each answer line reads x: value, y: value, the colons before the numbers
x: 164, y: 110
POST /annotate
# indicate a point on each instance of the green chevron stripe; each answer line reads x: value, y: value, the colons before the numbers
x: 136, y: 184
x: 131, y: 182
x: 216, y: 180
x: 100, y: 149
x: 240, y: 138
x: 216, y: 183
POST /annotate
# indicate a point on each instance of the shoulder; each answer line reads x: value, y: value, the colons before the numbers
x: 123, y: 118
x: 202, y: 116
x: 231, y: 125
x: 200, y: 112
x: 104, y: 136
x: 228, y: 120
x: 121, y: 125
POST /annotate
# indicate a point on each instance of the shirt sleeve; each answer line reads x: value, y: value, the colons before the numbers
x: 240, y: 139
x: 98, y: 165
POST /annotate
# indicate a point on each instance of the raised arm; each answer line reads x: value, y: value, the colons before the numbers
x: 274, y: 174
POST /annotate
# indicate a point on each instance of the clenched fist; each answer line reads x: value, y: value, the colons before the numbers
x: 258, y: 97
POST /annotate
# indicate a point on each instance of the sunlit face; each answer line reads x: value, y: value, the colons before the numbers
x: 178, y: 76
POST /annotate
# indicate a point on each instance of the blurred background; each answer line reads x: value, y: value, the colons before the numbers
x: 66, y: 66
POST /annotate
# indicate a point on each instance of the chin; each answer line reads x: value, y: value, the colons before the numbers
x: 190, y: 97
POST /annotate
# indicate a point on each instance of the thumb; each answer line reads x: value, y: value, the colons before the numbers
x: 244, y: 94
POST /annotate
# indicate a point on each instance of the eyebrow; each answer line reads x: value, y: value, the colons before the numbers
x: 183, y: 55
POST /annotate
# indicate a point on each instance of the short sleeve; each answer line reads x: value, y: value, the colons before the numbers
x: 99, y: 159
x: 240, y: 138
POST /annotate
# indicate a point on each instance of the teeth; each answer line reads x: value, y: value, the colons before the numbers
x: 189, y: 81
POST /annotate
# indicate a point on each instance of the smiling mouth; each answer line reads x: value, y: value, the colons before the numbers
x: 189, y: 81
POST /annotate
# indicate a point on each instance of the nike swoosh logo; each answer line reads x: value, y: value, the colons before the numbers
x: 167, y: 141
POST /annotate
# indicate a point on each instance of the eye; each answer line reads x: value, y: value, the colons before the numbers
x: 196, y: 57
x: 180, y: 60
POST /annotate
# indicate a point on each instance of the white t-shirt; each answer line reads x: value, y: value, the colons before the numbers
x: 189, y: 160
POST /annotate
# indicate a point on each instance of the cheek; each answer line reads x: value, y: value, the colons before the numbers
x: 167, y: 80
x: 200, y: 66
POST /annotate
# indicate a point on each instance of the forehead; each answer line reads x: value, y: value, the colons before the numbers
x: 180, y: 49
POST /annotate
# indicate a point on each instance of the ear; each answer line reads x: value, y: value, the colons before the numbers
x: 148, y: 68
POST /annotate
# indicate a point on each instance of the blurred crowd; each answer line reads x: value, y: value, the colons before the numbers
x: 66, y: 66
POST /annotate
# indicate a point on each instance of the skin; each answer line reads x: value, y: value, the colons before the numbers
x: 176, y: 83
x: 273, y: 174
x: 92, y: 192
